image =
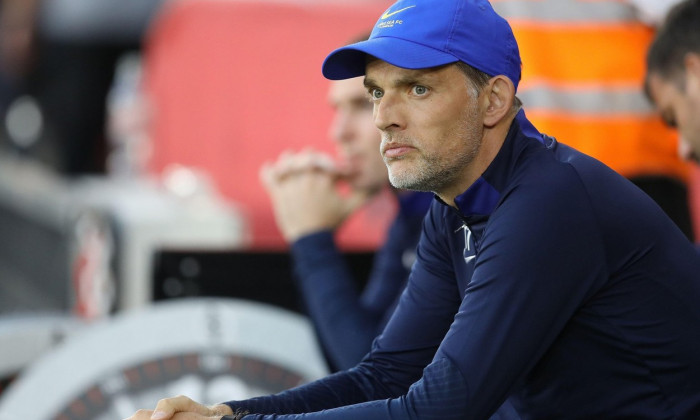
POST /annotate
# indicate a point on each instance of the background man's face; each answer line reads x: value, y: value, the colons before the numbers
x: 355, y: 135
x: 680, y: 108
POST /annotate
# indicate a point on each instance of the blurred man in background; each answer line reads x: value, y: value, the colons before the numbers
x: 673, y: 75
x: 582, y: 74
x: 312, y: 195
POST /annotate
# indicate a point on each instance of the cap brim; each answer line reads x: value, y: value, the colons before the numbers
x: 349, y: 61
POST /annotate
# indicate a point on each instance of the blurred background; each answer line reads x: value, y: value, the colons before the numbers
x: 139, y: 254
x: 131, y: 137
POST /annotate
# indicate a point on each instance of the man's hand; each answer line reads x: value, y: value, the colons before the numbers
x: 182, y: 408
x: 304, y: 194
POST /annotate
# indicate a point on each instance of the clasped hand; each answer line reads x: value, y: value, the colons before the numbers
x: 303, y: 188
x: 182, y: 408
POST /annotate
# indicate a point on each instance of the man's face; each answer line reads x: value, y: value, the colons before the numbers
x: 357, y: 139
x: 680, y: 108
x: 431, y: 125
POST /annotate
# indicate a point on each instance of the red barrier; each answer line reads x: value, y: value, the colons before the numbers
x: 236, y: 82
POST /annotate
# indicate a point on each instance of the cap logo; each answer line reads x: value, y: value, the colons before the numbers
x: 387, y: 15
x: 422, y: 34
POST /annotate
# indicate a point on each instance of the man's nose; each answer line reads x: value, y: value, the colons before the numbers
x: 387, y: 113
x: 342, y: 127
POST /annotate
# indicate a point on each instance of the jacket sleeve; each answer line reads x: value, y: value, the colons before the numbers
x: 398, y: 356
x: 540, y: 257
x: 346, y: 320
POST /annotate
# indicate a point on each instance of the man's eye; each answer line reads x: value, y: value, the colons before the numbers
x: 376, y: 94
x: 420, y: 90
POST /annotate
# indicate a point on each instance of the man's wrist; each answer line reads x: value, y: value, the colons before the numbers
x: 237, y: 415
x: 222, y: 409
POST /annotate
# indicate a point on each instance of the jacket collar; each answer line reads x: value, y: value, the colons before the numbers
x: 414, y: 203
x: 482, y: 197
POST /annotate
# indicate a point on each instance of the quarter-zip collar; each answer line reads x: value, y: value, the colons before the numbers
x: 482, y: 197
x: 414, y: 204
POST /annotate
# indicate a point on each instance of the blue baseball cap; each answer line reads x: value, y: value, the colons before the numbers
x: 418, y: 34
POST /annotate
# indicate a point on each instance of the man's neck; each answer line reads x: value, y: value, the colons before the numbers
x: 491, y: 143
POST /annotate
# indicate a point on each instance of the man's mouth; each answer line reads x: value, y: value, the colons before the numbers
x: 394, y: 151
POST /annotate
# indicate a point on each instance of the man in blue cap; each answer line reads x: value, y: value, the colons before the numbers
x: 542, y: 278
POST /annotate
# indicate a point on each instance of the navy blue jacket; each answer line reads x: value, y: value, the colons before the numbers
x: 574, y: 294
x: 346, y: 320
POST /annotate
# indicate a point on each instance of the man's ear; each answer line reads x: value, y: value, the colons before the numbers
x: 500, y: 94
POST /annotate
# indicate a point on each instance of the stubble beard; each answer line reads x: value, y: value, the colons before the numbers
x: 432, y: 171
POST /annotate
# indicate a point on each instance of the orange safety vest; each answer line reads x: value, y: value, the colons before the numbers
x: 583, y: 70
